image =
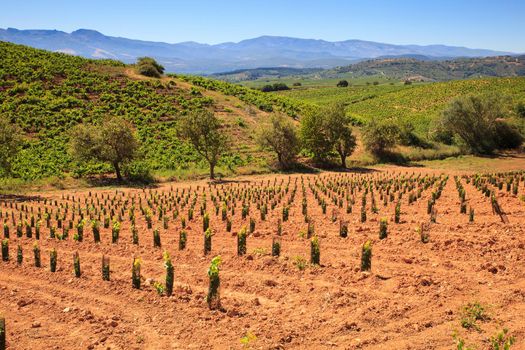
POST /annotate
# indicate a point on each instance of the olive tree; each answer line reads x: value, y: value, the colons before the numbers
x: 281, y: 137
x: 10, y: 142
x: 478, y: 120
x: 314, y: 136
x: 202, y: 129
x: 113, y: 142
x: 339, y: 131
x: 380, y: 136
x: 328, y: 130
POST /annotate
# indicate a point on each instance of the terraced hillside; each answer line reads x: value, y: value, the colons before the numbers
x: 48, y: 93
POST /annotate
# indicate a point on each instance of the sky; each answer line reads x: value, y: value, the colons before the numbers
x: 496, y: 24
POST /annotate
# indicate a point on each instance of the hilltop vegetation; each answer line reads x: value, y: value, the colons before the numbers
x: 46, y: 94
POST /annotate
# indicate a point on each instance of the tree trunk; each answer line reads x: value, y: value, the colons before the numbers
x: 117, y: 171
x: 212, y: 171
x: 280, y: 159
x: 343, y: 160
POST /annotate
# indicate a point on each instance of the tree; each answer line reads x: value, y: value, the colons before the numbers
x: 478, y: 120
x: 149, y: 67
x: 342, y: 83
x: 10, y: 142
x: 281, y: 137
x: 113, y: 142
x: 379, y: 136
x: 202, y: 129
x: 339, y: 131
x: 314, y: 136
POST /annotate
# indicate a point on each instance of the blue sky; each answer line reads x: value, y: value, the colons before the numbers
x: 496, y: 24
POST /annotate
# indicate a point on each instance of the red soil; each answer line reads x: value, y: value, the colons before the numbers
x: 411, y: 299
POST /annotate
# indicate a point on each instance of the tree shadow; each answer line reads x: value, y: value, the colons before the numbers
x: 19, y: 198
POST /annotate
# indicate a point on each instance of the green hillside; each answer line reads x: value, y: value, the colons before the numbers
x: 48, y: 93
x: 417, y: 103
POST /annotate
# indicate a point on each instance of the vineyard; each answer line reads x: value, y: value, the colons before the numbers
x: 372, y: 260
x: 418, y: 103
x: 46, y: 94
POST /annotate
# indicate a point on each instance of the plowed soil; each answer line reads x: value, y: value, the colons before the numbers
x: 411, y: 299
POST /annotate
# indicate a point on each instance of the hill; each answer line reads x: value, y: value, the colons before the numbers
x: 264, y: 51
x: 48, y: 93
x: 418, y: 68
x: 417, y: 103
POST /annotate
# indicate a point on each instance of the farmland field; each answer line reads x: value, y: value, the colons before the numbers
x: 434, y: 265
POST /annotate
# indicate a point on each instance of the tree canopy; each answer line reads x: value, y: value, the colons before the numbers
x: 281, y: 137
x: 113, y: 141
x: 201, y: 128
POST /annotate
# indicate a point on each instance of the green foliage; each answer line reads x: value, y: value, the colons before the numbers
x: 339, y: 130
x: 380, y: 136
x: 275, y: 87
x: 169, y: 273
x: 502, y: 340
x: 149, y: 67
x: 213, y: 297
x: 46, y: 94
x: 315, y: 251
x: 342, y: 83
x: 202, y: 129
x: 135, y: 273
x: 281, y: 137
x: 478, y: 120
x: 471, y: 313
x: 241, y: 242
x: 263, y: 101
x: 113, y: 142
x: 10, y: 143
x: 366, y: 256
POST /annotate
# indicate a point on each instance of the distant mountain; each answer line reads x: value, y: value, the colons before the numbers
x: 265, y: 51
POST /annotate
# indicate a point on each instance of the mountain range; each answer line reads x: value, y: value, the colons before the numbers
x: 264, y: 51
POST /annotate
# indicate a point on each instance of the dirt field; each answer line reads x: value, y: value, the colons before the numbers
x: 412, y: 298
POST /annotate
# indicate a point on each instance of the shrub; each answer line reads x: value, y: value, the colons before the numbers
x: 105, y: 268
x: 366, y: 256
x: 19, y: 255
x: 380, y: 136
x: 135, y: 273
x: 276, y: 246
x: 147, y: 66
x: 169, y: 273
x: 207, y: 241
x: 315, y: 251
x: 36, y: 254
x: 241, y: 242
x: 383, y: 228
x: 182, y: 240
x: 53, y: 260
x: 5, y: 250
x: 213, y: 297
x: 76, y: 264
x: 471, y: 313
x: 156, y: 238
x: 478, y: 121
x: 342, y: 83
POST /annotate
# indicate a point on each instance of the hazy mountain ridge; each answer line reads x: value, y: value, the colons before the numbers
x: 264, y: 51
